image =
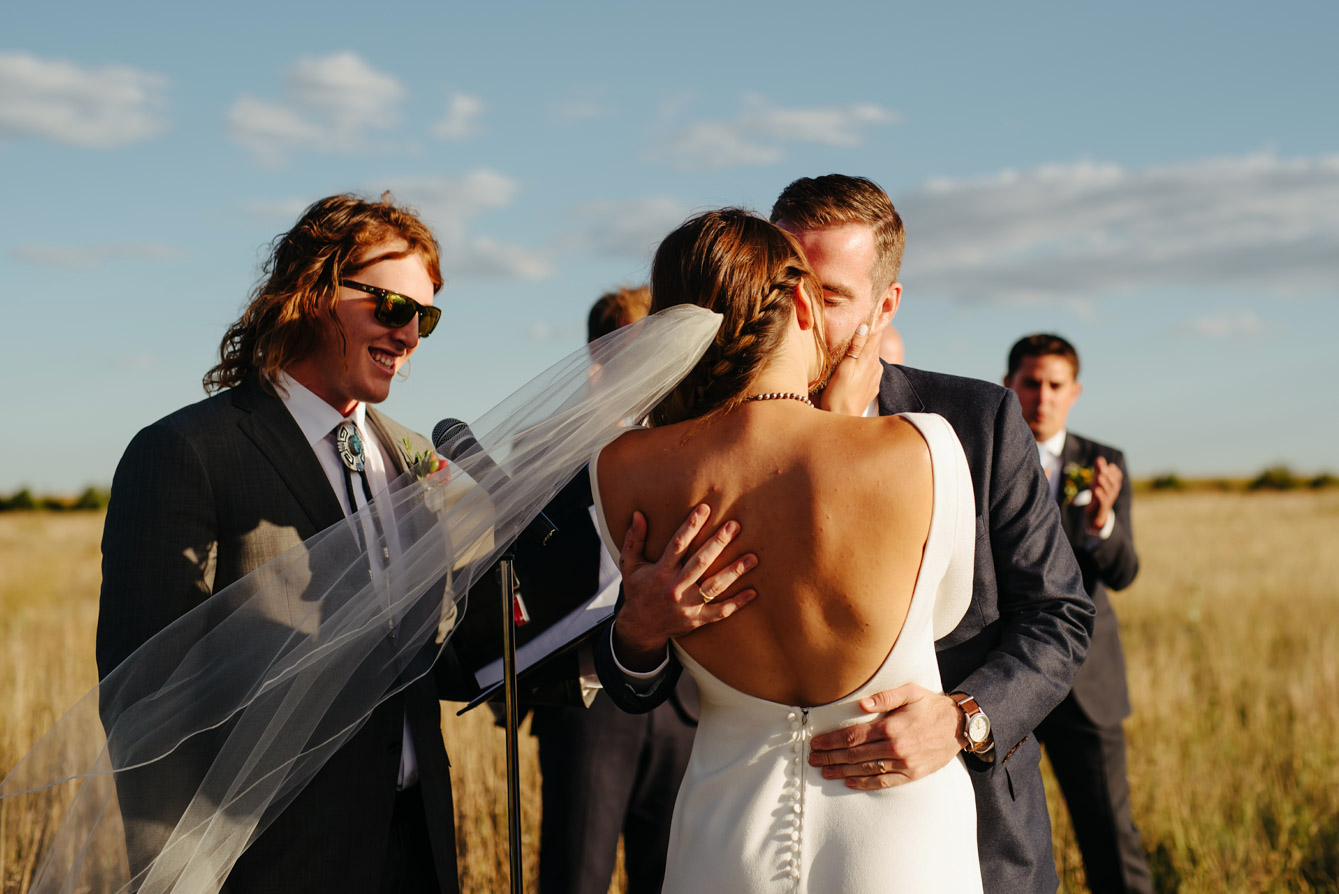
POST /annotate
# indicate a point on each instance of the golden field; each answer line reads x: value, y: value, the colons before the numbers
x: 1231, y: 634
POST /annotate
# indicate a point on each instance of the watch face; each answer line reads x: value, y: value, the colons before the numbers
x: 978, y: 728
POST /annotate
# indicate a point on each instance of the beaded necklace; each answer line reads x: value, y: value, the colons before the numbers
x: 780, y: 395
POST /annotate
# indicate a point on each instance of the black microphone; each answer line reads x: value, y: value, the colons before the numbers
x: 454, y: 440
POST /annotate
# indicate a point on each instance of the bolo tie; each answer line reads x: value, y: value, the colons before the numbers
x: 349, y: 444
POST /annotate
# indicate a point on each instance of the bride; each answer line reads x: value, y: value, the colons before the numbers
x: 864, y: 533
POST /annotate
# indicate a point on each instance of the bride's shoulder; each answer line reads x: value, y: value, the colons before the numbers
x: 624, y: 450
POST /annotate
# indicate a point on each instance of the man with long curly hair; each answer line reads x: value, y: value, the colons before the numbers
x: 284, y: 448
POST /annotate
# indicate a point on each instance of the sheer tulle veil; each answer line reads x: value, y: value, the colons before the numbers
x: 239, y: 703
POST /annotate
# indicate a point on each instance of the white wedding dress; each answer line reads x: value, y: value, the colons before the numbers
x: 753, y: 816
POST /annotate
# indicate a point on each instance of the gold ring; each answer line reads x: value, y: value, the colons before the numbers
x: 703, y: 593
x: 882, y: 768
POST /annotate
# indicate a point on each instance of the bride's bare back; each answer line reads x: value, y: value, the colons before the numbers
x: 837, y: 510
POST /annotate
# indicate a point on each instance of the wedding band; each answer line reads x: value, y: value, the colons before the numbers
x: 703, y: 593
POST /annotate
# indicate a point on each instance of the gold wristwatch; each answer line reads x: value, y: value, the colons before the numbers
x: 976, y: 725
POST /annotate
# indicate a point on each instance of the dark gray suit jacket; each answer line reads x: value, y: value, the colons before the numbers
x: 1024, y: 635
x: 200, y: 499
x: 1099, y: 686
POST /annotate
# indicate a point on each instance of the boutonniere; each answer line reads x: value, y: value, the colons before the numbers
x: 1076, y: 478
x: 422, y: 462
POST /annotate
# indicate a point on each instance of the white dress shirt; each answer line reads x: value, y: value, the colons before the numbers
x: 318, y: 420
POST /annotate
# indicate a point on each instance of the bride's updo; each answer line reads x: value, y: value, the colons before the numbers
x: 735, y: 263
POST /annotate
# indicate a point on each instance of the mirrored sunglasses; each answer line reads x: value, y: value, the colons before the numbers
x: 394, y: 309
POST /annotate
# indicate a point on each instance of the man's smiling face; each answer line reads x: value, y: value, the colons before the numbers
x: 361, y: 365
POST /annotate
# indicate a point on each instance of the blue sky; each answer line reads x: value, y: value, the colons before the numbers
x: 1157, y: 182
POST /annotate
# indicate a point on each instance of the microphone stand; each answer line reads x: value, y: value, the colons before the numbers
x: 507, y: 585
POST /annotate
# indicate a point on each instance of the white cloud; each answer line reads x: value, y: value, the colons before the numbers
x: 451, y: 206
x: 331, y: 104
x: 97, y: 108
x: 83, y: 257
x: 462, y: 118
x: 759, y: 134
x: 548, y: 332
x: 625, y: 229
x: 1072, y: 233
x: 1226, y: 325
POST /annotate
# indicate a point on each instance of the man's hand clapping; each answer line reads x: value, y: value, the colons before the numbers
x: 1106, y: 484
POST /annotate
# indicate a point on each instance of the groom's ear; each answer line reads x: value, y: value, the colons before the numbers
x: 886, y: 307
x: 804, y: 309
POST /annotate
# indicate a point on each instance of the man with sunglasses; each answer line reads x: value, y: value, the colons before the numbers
x: 286, y: 447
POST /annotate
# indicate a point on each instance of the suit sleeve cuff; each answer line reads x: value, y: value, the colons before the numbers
x: 640, y: 682
x: 1106, y: 530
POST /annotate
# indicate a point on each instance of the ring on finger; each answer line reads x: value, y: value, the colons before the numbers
x: 883, y: 767
x: 703, y: 593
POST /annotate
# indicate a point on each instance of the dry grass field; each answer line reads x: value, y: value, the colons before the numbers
x: 1231, y: 631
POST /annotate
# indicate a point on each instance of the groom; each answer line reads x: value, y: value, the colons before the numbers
x: 1011, y: 658
x: 219, y: 488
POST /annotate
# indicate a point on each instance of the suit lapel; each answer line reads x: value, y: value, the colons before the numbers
x: 269, y: 425
x: 394, y: 446
x: 1071, y: 516
x: 896, y: 394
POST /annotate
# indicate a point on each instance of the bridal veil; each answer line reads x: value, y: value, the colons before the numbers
x: 244, y: 698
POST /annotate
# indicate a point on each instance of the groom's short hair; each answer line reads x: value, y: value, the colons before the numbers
x: 1043, y: 344
x: 816, y: 203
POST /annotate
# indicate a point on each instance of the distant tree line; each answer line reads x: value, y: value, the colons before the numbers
x: 1277, y: 477
x: 91, y: 498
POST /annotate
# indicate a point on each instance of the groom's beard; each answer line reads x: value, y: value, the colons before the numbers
x: 838, y: 354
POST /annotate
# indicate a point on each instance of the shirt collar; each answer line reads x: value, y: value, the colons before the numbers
x: 313, y: 415
x: 1055, y: 444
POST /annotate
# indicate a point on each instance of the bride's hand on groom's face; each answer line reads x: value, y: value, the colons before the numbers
x: 916, y: 734
x: 855, y: 380
x: 669, y: 597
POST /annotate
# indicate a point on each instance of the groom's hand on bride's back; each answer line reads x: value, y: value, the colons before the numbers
x: 669, y: 597
x: 918, y: 732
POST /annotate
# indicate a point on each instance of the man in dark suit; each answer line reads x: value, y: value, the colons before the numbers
x: 1083, y: 736
x: 1011, y: 658
x: 606, y: 772
x: 217, y: 489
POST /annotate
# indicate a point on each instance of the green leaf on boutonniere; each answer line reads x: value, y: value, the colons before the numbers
x: 422, y: 462
x: 1076, y: 478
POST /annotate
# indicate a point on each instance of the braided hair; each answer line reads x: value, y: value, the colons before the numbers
x: 735, y: 263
